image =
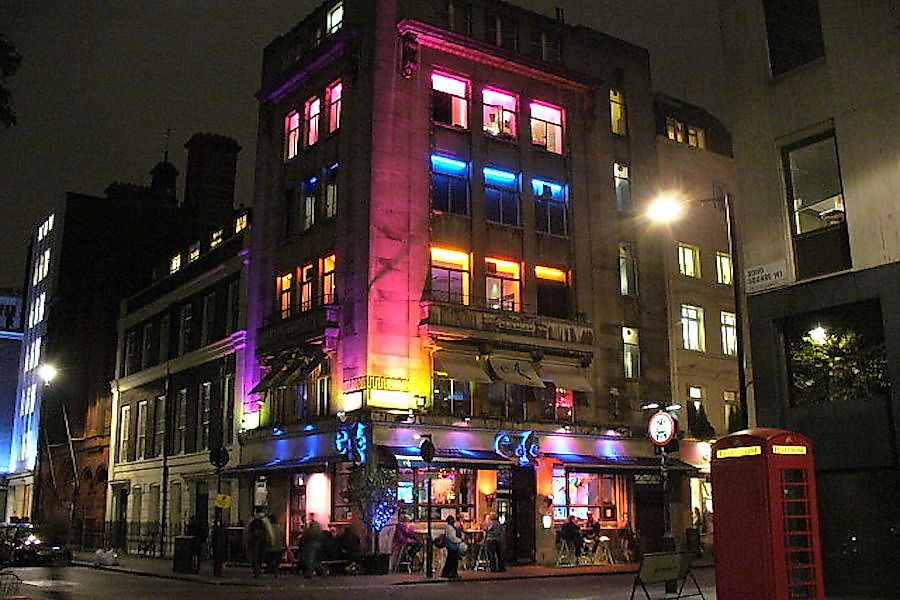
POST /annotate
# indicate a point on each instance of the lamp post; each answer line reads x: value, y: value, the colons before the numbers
x: 426, y: 449
x: 668, y: 208
x: 662, y: 429
x: 48, y: 373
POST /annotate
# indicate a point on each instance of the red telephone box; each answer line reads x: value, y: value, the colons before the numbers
x: 766, y: 517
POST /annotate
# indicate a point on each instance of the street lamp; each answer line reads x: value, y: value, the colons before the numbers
x: 668, y: 208
x: 47, y: 373
x: 426, y: 449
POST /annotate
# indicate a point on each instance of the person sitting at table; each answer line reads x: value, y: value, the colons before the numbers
x: 405, y: 537
x: 593, y: 532
x: 570, y: 533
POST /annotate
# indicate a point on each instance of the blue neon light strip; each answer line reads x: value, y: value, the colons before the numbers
x: 450, y: 166
x: 538, y: 185
x: 498, y: 177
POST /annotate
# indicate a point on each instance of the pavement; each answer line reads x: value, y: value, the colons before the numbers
x: 241, y: 575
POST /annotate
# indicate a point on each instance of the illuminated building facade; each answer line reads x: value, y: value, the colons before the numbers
x: 436, y: 250
x: 10, y: 346
x: 813, y: 108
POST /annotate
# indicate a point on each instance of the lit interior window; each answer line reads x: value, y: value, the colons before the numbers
x: 499, y: 113
x: 503, y: 284
x: 550, y: 274
x: 546, y: 127
x: 240, y: 223
x: 194, y: 252
x: 327, y: 267
x: 216, y: 239
x: 311, y: 121
x: 549, y: 207
x: 449, y: 276
x: 449, y: 100
x: 333, y: 98
x: 174, y: 263
x: 291, y: 134
x: 335, y: 18
x: 285, y: 290
x: 618, y: 123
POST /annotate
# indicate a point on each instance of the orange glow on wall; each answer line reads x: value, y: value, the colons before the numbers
x: 452, y: 257
x: 550, y: 273
x: 486, y: 481
x: 505, y: 267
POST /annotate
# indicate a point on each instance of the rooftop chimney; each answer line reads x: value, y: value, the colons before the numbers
x: 211, y: 167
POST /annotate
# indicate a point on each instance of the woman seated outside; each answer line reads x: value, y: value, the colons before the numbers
x: 405, y: 537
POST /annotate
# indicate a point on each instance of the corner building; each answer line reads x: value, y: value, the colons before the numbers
x: 436, y: 250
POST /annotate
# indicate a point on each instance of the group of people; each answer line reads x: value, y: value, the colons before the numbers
x: 453, y: 541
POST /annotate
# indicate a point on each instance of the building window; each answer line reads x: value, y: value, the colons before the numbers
x: 815, y: 194
x: 184, y: 331
x: 42, y: 267
x: 174, y: 263
x: 326, y: 268
x: 449, y: 276
x: 449, y: 101
x: 323, y: 395
x: 622, y: 179
x: 501, y: 31
x: 141, y: 449
x: 285, y: 284
x: 132, y: 351
x: 164, y: 338
x: 794, y: 33
x: 689, y: 260
x: 692, y: 332
x: 724, y: 268
x: 180, y: 419
x: 149, y: 337
x: 124, y: 432
x: 602, y: 496
x: 552, y: 292
x: 194, y: 252
x: 449, y: 185
x: 452, y: 397
x: 618, y: 123
x: 631, y: 353
x: 160, y: 417
x: 503, y: 284
x: 307, y: 283
x: 208, y: 325
x: 334, y: 19
x: 311, y: 121
x: 331, y: 191
x: 675, y: 130
x: 215, y: 239
x: 545, y: 46
x: 333, y: 97
x: 546, y: 127
x: 696, y: 137
x: 310, y: 192
x: 203, y: 411
x: 459, y: 16
x: 695, y: 393
x: 45, y: 228
x: 291, y: 134
x: 549, y: 207
x: 559, y: 404
x: 627, y: 270
x: 240, y: 223
x: 453, y: 491
x: 501, y: 196
x: 730, y: 409
x: 499, y: 110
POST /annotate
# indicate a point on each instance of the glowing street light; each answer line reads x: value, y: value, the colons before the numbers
x: 666, y: 208
x: 47, y: 372
x: 819, y: 335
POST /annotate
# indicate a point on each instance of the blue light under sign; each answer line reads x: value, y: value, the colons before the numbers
x: 443, y: 164
x: 498, y: 177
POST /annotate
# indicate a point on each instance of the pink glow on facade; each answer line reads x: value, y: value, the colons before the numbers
x: 311, y: 111
x: 449, y: 85
x: 333, y: 97
x: 546, y: 112
x: 498, y: 98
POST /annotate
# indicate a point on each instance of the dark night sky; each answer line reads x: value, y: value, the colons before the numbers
x: 102, y: 80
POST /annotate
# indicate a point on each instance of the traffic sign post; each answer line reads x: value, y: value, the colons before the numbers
x: 662, y: 429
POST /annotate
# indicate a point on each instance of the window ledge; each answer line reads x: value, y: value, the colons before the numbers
x: 448, y: 127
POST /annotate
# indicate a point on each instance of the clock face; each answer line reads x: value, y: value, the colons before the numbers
x: 661, y: 428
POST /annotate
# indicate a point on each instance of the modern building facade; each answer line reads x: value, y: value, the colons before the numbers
x: 438, y: 225
x: 697, y: 170
x: 180, y: 357
x: 814, y: 115
x: 86, y: 256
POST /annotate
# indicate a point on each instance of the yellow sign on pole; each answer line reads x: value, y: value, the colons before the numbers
x: 223, y: 501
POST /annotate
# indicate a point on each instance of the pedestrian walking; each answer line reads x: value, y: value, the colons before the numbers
x: 257, y: 541
x: 493, y: 537
x: 197, y: 530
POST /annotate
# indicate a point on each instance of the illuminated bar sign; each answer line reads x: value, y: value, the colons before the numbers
x: 376, y: 382
x: 788, y: 449
x: 739, y: 451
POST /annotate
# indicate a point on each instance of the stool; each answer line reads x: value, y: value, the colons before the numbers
x: 482, y: 559
x: 567, y: 556
x: 408, y: 560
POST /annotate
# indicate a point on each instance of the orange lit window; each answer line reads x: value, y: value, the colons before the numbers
x: 550, y: 274
x: 326, y: 268
x: 307, y: 281
x: 503, y: 284
x: 285, y: 291
x: 449, y: 276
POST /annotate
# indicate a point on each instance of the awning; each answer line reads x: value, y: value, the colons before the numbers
x: 627, y: 463
x: 300, y: 369
x: 271, y: 379
x: 462, y: 367
x: 450, y: 455
x: 569, y: 377
x: 308, y: 462
x: 515, y: 372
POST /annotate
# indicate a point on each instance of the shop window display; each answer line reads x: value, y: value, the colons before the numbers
x: 587, y: 494
x: 452, y: 493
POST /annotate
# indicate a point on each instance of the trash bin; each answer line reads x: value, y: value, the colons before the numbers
x: 183, y: 557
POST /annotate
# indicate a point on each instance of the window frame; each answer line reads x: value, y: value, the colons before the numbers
x: 504, y: 278
x: 327, y: 280
x: 456, y: 102
x: 291, y: 135
x: 545, y: 207
x: 693, y: 334
x: 284, y: 285
x: 622, y: 183
x: 311, y: 121
x: 724, y: 268
x: 618, y: 112
x: 506, y: 129
x: 536, y: 141
x: 689, y: 260
x: 334, y: 105
x: 728, y: 330
x: 505, y: 193
x: 631, y: 353
x: 451, y: 178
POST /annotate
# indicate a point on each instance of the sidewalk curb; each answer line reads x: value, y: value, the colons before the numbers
x: 173, y: 577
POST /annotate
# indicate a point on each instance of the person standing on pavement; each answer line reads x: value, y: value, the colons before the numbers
x: 453, y: 544
x: 276, y: 548
x: 310, y: 546
x: 196, y: 529
x: 257, y: 541
x: 493, y: 537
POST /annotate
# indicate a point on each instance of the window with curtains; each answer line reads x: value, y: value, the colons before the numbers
x: 546, y: 127
x: 499, y: 110
x: 449, y: 100
x: 503, y: 284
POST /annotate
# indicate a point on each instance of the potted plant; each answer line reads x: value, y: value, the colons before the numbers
x: 373, y: 490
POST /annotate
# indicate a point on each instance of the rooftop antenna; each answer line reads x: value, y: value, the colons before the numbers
x: 168, y: 137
